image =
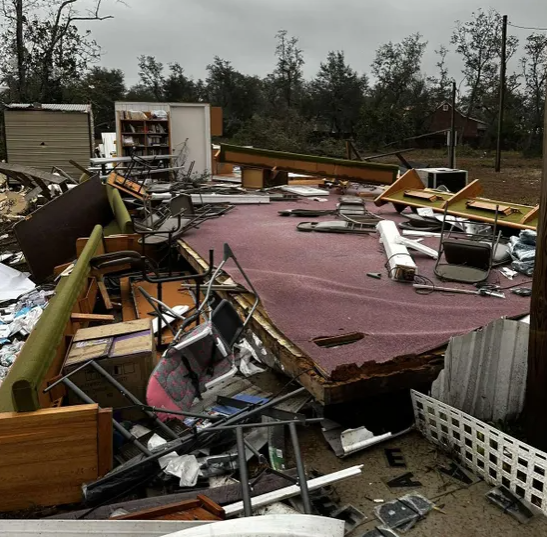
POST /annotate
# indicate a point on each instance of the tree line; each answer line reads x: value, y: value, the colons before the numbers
x: 45, y: 57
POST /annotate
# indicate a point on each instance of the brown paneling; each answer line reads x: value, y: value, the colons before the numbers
x: 46, y: 456
x: 114, y: 243
x: 48, y: 236
x: 105, y: 441
x: 216, y: 121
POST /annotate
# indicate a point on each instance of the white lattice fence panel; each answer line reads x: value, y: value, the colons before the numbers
x: 497, y: 457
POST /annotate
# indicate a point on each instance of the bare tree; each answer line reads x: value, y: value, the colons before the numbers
x: 479, y: 42
x: 41, y: 43
x: 441, y: 90
x: 288, y: 72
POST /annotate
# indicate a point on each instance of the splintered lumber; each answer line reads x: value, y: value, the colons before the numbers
x: 104, y: 294
x: 89, y: 317
x: 315, y: 166
x: 202, y: 508
x: 46, y: 456
x: 401, y: 264
x: 127, y: 186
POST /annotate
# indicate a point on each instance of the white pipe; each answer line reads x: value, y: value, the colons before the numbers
x: 401, y: 264
x: 411, y: 233
x: 417, y: 246
x: 294, y: 490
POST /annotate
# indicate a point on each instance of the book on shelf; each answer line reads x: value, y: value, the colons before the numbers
x: 133, y: 115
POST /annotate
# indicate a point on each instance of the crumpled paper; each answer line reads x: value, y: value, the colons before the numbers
x: 155, y: 442
x: 246, y: 355
x: 186, y: 468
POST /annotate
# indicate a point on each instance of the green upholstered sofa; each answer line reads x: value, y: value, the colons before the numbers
x: 21, y: 389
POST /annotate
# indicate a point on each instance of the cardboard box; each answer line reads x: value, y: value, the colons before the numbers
x: 125, y: 350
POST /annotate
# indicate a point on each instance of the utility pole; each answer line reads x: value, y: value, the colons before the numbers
x: 536, y: 382
x: 503, y: 68
x: 452, y: 151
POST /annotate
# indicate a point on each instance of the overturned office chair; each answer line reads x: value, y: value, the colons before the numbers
x: 202, y: 356
x: 468, y: 258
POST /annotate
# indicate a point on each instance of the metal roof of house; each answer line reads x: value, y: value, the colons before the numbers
x: 446, y: 103
x: 84, y: 108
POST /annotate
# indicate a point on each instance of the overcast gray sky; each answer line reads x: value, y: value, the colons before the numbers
x: 192, y: 32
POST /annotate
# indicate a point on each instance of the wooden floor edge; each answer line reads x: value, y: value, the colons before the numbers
x: 299, y: 365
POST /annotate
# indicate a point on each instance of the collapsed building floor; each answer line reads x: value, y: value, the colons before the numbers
x: 135, y: 278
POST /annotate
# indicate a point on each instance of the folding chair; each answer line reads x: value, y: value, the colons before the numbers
x: 468, y: 259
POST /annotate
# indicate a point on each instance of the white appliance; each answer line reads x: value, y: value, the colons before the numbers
x: 452, y: 179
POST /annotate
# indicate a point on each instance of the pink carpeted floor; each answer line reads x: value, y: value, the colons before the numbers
x: 316, y: 284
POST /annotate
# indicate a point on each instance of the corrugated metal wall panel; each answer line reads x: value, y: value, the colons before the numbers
x: 44, y: 139
x: 485, y: 371
x: 63, y: 107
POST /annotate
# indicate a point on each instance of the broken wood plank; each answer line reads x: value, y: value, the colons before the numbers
x: 220, y: 495
x: 45, y: 190
x: 104, y: 294
x: 126, y: 185
x: 80, y: 168
x: 202, y: 508
x: 128, y: 306
x: 89, y: 317
x: 61, y: 268
x: 87, y: 302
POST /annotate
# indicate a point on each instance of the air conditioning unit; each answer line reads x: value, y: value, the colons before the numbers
x: 454, y: 180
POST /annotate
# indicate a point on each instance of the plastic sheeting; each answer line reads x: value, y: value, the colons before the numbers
x: 13, y: 283
x: 523, y: 251
x: 270, y: 526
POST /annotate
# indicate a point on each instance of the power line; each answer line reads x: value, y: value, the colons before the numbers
x: 528, y: 28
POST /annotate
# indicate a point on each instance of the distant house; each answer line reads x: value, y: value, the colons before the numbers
x: 440, y: 120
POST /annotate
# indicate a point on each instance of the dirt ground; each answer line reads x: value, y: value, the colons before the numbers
x: 518, y: 181
x: 462, y: 510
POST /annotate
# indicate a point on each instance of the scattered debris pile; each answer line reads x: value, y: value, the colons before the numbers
x: 170, y: 393
x: 21, y: 306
